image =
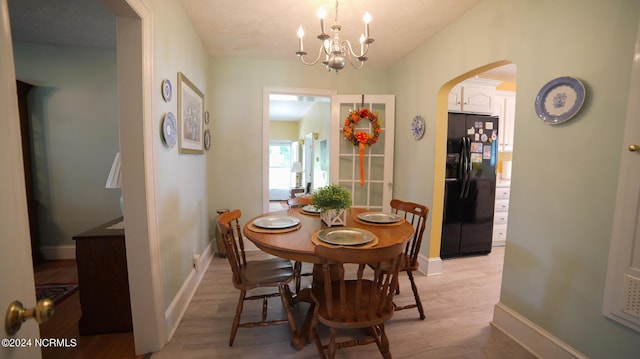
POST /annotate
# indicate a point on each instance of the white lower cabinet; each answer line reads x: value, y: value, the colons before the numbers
x: 501, y: 213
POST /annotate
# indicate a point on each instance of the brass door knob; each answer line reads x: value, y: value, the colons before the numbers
x: 17, y: 314
x: 634, y: 148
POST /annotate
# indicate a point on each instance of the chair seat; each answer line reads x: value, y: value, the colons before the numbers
x: 342, y: 319
x: 268, y: 272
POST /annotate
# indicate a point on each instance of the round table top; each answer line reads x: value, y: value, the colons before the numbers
x: 297, y: 245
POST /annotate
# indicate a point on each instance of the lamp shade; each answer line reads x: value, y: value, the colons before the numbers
x: 296, y: 167
x: 115, y: 175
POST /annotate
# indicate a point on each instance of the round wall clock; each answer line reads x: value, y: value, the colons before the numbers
x: 417, y: 127
x: 559, y: 100
x: 169, y: 130
x: 167, y: 90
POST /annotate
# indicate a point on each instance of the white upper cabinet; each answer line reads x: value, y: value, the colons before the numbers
x: 505, y: 108
x: 473, y: 95
x: 455, y: 98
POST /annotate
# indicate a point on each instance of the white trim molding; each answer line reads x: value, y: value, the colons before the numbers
x: 536, y: 340
x: 432, y: 266
x: 180, y: 303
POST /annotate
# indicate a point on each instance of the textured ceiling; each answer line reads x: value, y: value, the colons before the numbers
x: 267, y: 29
x: 85, y: 23
x: 249, y: 28
x: 254, y: 28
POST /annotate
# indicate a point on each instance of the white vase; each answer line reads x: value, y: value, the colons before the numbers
x: 332, y: 218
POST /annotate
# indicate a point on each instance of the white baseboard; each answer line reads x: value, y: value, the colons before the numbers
x: 52, y: 253
x: 180, y: 302
x: 429, y: 266
x: 536, y: 340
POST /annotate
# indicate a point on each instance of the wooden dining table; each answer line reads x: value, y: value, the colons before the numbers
x: 297, y: 244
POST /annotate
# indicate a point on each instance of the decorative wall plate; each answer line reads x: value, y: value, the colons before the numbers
x: 206, y: 117
x: 417, y: 127
x: 207, y: 140
x: 167, y: 90
x: 559, y: 100
x: 169, y: 130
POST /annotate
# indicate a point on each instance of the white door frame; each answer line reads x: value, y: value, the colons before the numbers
x: 266, y: 91
x: 134, y: 24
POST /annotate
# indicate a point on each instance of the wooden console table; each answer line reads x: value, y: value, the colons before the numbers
x: 103, y: 278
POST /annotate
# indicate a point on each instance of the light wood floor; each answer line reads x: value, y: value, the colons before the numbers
x: 459, y: 307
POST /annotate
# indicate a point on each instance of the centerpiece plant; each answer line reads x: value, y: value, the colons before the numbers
x: 332, y: 201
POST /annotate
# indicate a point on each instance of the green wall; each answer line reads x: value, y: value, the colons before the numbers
x: 180, y: 179
x: 564, y: 177
x: 74, y: 130
x: 236, y: 88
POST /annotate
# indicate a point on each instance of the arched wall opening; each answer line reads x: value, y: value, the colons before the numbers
x: 440, y: 152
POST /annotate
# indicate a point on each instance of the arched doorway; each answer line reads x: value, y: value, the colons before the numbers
x: 490, y: 70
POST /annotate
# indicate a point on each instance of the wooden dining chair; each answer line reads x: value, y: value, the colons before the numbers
x: 416, y: 214
x: 247, y: 275
x: 297, y: 202
x: 300, y: 201
x: 363, y: 301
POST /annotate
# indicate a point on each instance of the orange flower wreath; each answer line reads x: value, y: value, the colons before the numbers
x: 361, y: 138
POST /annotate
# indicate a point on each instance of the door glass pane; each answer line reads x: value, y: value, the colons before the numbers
x: 376, y: 195
x: 377, y: 168
x: 346, y: 168
x: 360, y: 195
x: 378, y: 148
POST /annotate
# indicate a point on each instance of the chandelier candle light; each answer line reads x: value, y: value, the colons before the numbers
x: 337, y: 51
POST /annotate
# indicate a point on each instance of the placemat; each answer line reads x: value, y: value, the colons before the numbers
x: 355, y: 218
x: 317, y: 241
x: 254, y: 228
x: 309, y: 213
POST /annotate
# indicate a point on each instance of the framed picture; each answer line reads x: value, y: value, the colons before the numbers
x: 190, y: 116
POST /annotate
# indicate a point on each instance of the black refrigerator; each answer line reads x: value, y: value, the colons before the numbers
x: 470, y: 184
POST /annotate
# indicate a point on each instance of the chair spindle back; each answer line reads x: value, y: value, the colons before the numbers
x: 416, y: 214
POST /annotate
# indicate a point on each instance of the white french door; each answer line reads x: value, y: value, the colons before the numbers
x: 377, y: 190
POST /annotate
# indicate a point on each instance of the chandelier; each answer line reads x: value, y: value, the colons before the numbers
x: 336, y: 51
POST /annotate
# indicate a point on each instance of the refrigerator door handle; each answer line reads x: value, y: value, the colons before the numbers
x: 467, y: 183
x: 462, y: 172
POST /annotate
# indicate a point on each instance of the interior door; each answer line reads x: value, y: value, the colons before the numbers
x: 377, y: 190
x: 622, y: 291
x: 16, y: 281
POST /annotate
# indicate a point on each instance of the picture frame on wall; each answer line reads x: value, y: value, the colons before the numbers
x: 190, y: 116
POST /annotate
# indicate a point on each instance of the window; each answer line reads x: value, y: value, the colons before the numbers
x: 280, y: 161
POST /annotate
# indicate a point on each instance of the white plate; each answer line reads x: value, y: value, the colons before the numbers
x: 169, y: 130
x: 310, y: 209
x: 166, y: 90
x: 559, y: 100
x: 379, y: 217
x: 345, y: 236
x: 276, y: 222
x: 417, y: 127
